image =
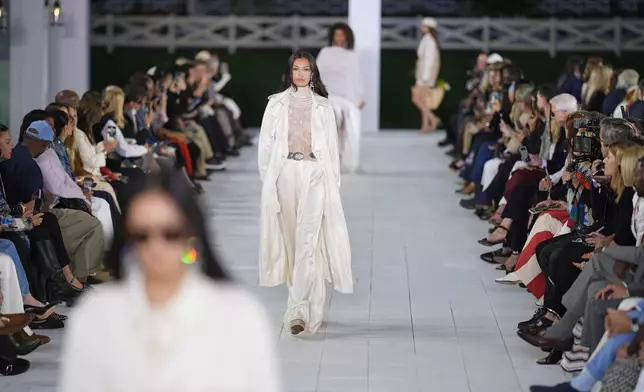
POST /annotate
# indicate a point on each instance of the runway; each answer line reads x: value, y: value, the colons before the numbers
x: 426, y: 314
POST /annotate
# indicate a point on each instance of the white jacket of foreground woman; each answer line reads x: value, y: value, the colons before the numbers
x: 210, y: 337
x: 335, y: 251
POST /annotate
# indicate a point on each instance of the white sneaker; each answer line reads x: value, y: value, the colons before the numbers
x: 508, y: 279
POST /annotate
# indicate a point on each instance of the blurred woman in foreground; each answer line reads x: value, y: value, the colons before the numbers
x: 173, y: 320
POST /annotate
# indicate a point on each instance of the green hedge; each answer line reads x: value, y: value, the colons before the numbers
x: 257, y: 74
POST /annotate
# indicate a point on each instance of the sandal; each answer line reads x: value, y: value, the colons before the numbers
x: 485, y: 241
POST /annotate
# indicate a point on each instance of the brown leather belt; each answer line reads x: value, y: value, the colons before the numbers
x: 300, y: 156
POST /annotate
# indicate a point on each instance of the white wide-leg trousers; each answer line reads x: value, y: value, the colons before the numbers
x: 11, y: 295
x: 349, y: 121
x: 301, y: 193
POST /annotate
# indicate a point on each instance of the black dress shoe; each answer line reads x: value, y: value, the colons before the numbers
x: 551, y: 359
x: 468, y: 204
x: 538, y: 314
x: 24, y: 346
x: 49, y: 323
x: 444, y: 143
x: 538, y: 340
x: 564, y: 387
x: 492, y: 257
x: 537, y: 326
x: 14, y: 368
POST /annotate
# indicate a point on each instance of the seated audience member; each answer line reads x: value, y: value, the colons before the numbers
x: 597, y: 87
x: 626, y: 80
x: 60, y: 182
x: 110, y: 128
x: 41, y: 232
x: 86, y: 160
x: 570, y: 81
x: 22, y: 178
x: 637, y: 108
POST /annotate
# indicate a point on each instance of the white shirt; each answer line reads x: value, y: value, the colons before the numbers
x: 210, y: 337
x: 340, y: 73
x: 55, y: 178
x: 93, y: 157
x: 637, y: 223
x: 123, y: 148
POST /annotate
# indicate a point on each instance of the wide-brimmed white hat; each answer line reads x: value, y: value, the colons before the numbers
x: 494, y: 58
x: 429, y: 22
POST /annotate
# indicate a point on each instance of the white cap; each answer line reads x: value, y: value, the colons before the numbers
x: 430, y: 22
x: 494, y: 58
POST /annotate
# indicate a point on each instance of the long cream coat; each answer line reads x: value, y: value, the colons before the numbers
x: 334, y: 249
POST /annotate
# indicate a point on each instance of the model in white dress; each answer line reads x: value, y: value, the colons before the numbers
x: 427, y: 69
x: 304, y: 239
x: 340, y: 71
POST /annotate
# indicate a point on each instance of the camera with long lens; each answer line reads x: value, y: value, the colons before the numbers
x: 586, y: 145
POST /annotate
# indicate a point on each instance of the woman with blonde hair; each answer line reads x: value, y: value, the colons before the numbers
x: 427, y: 69
x: 598, y: 86
x: 110, y: 127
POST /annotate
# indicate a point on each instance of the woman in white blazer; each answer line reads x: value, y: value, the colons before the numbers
x: 427, y: 69
x: 172, y: 320
x: 304, y: 237
x: 340, y: 70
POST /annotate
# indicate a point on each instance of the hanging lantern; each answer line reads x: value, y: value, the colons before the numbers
x: 56, y: 14
x: 4, y: 17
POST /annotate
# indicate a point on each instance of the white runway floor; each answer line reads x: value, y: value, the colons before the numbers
x: 426, y: 314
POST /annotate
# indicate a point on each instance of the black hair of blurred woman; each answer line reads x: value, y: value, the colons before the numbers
x: 287, y: 79
x: 173, y: 185
x: 61, y: 119
x: 547, y: 91
x: 34, y: 115
x: 347, y: 31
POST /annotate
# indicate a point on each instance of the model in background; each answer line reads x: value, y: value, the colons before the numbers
x: 168, y: 287
x: 340, y: 70
x: 427, y: 69
x: 304, y: 237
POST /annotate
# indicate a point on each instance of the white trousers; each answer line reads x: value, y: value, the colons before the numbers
x: 233, y: 107
x: 10, y: 288
x: 348, y: 120
x: 490, y: 169
x: 101, y: 210
x: 301, y: 194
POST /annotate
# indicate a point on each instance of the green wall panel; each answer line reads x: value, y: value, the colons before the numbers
x: 257, y: 74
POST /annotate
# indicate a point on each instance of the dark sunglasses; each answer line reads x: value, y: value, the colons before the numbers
x: 169, y: 235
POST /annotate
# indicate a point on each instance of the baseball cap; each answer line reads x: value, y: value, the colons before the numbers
x: 40, y: 130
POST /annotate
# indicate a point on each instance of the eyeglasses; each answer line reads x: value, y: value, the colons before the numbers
x: 168, y: 235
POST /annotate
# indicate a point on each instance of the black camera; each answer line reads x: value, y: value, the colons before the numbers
x: 586, y: 146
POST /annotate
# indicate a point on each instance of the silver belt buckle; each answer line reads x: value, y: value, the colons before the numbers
x: 298, y: 156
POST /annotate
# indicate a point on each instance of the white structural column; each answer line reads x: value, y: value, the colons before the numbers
x: 69, y: 49
x: 28, y: 59
x: 45, y: 59
x: 365, y: 20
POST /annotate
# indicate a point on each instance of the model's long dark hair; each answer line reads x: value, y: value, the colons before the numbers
x: 316, y: 82
x: 347, y: 31
x: 176, y: 187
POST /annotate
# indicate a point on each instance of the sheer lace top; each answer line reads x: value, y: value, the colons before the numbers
x: 299, y: 120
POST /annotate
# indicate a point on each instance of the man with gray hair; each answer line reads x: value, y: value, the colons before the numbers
x: 616, y: 131
x: 626, y: 80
